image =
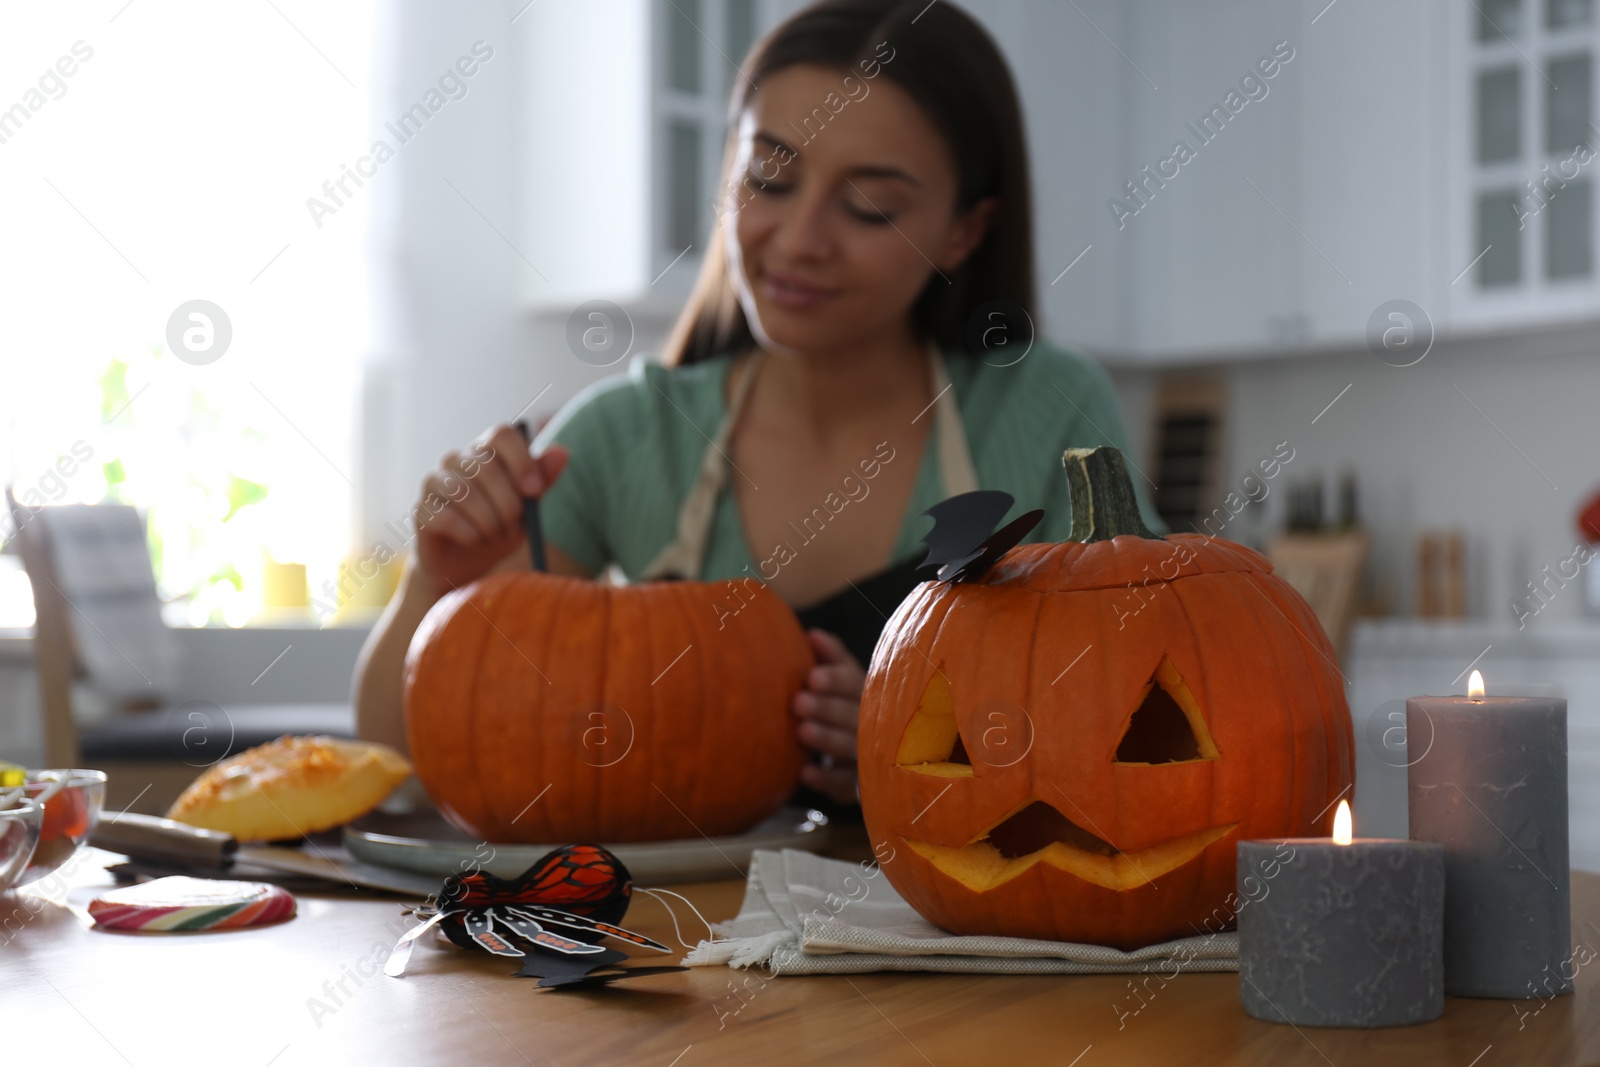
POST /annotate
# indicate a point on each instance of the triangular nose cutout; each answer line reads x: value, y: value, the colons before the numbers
x: 1167, y: 726
x: 1039, y: 825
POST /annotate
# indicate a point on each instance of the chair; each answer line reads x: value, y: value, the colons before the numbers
x: 150, y: 705
x: 1326, y: 570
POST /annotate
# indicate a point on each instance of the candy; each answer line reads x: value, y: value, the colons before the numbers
x: 179, y: 903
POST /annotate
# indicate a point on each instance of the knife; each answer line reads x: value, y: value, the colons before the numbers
x: 208, y: 853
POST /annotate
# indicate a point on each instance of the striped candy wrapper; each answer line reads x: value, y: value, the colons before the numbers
x: 180, y: 903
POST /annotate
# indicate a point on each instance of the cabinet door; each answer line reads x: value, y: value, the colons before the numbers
x: 1372, y: 164
x: 584, y: 151
x: 1074, y: 85
x: 1216, y: 252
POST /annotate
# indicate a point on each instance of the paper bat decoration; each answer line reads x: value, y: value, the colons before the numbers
x: 964, y: 543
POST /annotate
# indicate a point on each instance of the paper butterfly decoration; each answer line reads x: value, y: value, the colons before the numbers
x: 553, y: 916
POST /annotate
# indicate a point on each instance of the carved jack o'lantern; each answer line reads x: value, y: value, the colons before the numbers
x: 1070, y: 746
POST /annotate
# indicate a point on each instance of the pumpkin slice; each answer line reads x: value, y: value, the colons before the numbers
x: 291, y: 787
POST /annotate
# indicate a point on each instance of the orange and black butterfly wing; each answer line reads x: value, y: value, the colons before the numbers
x: 582, y: 879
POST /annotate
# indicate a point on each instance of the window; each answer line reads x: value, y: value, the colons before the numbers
x: 700, y: 45
x: 173, y: 164
x: 1533, y: 137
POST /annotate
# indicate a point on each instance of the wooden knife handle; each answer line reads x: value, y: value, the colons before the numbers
x: 153, y: 838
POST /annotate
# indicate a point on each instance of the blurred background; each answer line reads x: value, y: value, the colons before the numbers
x: 266, y: 261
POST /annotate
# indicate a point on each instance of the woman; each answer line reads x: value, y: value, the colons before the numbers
x: 842, y: 365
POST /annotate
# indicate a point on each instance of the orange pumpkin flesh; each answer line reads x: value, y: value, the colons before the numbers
x: 1051, y: 752
x: 548, y: 709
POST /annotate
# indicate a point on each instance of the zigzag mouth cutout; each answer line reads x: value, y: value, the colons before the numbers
x: 1038, y: 833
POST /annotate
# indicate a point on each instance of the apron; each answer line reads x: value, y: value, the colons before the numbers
x: 844, y: 614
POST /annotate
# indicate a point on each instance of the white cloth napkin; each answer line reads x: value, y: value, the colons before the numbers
x: 806, y: 914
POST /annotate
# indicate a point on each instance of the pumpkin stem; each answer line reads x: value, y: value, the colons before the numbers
x: 1103, y: 502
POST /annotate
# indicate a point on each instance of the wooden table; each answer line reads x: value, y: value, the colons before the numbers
x: 272, y: 996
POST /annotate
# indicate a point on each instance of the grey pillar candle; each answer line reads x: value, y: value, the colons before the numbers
x: 1488, y: 780
x: 1341, y: 935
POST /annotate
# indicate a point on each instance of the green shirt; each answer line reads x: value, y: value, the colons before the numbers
x: 636, y: 443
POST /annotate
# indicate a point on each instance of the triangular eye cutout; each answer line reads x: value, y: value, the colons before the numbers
x: 1167, y: 726
x: 932, y: 742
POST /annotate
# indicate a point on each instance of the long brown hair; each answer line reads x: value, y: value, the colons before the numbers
x: 952, y: 68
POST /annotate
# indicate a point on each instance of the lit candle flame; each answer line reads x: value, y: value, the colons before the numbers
x: 1342, y: 826
x: 1475, y: 685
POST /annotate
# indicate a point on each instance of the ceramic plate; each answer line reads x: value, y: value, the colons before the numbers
x: 424, y: 842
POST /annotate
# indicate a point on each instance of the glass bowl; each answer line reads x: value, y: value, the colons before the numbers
x: 72, y: 800
x: 20, y: 818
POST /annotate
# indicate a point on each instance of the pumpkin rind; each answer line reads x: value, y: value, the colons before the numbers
x: 1244, y: 643
x: 651, y: 712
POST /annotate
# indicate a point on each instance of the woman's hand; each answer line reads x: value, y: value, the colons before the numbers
x: 829, y: 708
x: 469, y: 514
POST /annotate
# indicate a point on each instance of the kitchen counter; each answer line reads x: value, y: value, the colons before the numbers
x: 1540, y: 638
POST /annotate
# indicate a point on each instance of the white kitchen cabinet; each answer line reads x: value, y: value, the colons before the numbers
x: 1072, y: 82
x: 1216, y: 260
x: 1522, y: 190
x: 1372, y: 160
x: 1355, y: 180
x: 1319, y: 202
x: 623, y: 129
x: 1386, y: 158
x: 586, y: 151
x: 1436, y: 167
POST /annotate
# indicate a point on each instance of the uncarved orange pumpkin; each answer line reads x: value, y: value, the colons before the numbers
x: 548, y: 709
x: 1071, y: 746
